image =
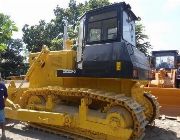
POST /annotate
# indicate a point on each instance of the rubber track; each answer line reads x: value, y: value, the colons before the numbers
x: 113, y: 98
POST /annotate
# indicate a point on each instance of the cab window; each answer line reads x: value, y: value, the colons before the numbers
x: 166, y: 62
x: 102, y: 27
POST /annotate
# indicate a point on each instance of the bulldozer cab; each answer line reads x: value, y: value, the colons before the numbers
x: 108, y: 24
x: 165, y: 59
x: 106, y: 45
x: 165, y: 67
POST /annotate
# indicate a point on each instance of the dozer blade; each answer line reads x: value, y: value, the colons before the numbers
x: 169, y: 99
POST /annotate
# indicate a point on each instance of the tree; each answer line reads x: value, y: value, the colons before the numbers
x: 43, y: 34
x: 51, y: 33
x: 7, y: 27
x: 56, y: 44
x: 35, y: 37
x: 92, y: 4
x: 142, y: 42
x: 10, y: 49
x: 11, y: 58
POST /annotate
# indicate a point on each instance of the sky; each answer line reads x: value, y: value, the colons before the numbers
x: 161, y: 18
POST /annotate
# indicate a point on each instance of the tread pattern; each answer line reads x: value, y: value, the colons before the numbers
x: 155, y: 114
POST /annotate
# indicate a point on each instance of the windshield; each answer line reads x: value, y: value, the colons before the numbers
x: 102, y: 27
x: 166, y: 62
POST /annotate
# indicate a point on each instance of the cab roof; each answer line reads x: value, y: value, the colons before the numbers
x: 165, y: 52
x: 122, y: 5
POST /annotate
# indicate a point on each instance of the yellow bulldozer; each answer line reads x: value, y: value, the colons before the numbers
x: 96, y: 92
x: 165, y: 83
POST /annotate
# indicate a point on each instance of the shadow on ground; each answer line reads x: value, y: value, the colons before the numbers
x: 156, y: 133
x: 7, y: 138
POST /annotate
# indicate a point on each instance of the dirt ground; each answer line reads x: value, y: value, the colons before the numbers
x: 163, y: 130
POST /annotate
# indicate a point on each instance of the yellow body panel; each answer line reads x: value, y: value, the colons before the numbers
x: 43, y: 68
x: 36, y: 116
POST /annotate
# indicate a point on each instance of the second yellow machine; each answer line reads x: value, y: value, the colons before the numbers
x: 95, y: 92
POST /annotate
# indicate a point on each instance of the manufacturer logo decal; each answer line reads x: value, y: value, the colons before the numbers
x: 68, y: 71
